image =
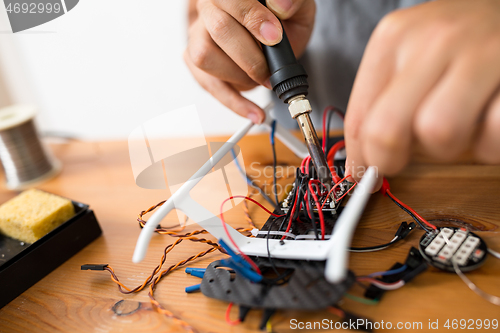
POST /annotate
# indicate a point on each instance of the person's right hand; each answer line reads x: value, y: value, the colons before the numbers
x: 223, y: 53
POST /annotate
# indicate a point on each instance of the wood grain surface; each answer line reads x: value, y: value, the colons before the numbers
x: 99, y: 174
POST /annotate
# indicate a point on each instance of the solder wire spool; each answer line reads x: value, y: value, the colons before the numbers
x: 24, y: 158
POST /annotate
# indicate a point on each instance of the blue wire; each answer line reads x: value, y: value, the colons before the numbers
x: 249, y: 182
x: 394, y: 271
x: 246, y: 273
x: 273, y: 131
x: 237, y: 258
x: 273, y: 146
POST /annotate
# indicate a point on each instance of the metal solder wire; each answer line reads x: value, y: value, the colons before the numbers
x: 22, y: 155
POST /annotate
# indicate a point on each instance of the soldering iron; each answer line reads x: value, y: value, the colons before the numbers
x: 289, y: 82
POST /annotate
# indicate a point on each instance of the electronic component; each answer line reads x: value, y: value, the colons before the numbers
x: 94, y: 267
x: 414, y: 265
x: 301, y: 285
x: 444, y: 246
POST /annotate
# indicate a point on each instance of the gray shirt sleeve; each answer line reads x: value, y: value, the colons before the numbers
x: 332, y: 58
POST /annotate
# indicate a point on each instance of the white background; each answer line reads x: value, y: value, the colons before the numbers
x: 105, y: 67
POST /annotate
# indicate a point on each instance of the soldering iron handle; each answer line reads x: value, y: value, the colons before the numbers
x: 288, y: 77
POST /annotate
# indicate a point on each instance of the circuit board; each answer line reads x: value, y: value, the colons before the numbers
x: 306, y: 224
x: 299, y: 230
x: 446, y: 246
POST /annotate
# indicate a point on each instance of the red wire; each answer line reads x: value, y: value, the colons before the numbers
x: 307, y: 206
x: 228, y: 319
x: 302, y: 165
x: 308, y: 161
x: 333, y: 188
x: 336, y: 311
x: 331, y: 156
x: 320, y: 211
x: 411, y: 210
x: 349, y: 190
x: 250, y: 261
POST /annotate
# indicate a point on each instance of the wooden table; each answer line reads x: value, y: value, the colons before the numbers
x: 71, y: 300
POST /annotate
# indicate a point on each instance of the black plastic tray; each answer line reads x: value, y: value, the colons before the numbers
x: 24, y: 264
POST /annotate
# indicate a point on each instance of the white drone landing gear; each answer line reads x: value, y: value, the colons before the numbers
x: 334, y: 250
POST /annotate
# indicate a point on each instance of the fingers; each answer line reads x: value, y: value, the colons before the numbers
x: 225, y: 93
x: 261, y: 22
x: 285, y: 9
x: 235, y: 41
x: 256, y: 18
x: 446, y: 121
x: 375, y: 72
x: 487, y: 147
x: 207, y: 56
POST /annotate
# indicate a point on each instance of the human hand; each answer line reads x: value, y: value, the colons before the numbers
x: 430, y: 77
x: 223, y: 53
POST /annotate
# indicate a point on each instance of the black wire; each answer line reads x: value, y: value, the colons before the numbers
x: 268, y: 251
x: 409, y: 213
x: 376, y: 247
x: 298, y: 181
x: 313, y: 217
x: 328, y: 120
x: 279, y: 276
x: 301, y: 193
x: 312, y: 169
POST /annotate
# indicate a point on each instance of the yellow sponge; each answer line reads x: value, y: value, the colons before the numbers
x: 32, y: 214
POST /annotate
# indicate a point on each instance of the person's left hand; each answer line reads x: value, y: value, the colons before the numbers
x: 430, y: 76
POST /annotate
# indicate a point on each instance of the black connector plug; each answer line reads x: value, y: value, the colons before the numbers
x: 94, y: 267
x: 414, y: 258
x: 417, y: 270
x: 243, y: 312
x: 402, y: 227
x: 405, y: 232
x: 266, y: 316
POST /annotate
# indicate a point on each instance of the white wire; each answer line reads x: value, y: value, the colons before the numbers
x: 494, y: 253
x: 490, y: 298
x: 394, y: 286
x: 279, y: 233
x: 289, y: 234
x: 374, y: 250
x: 310, y: 237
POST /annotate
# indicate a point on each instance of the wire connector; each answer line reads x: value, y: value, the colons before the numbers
x: 94, y: 267
x: 404, y: 229
x: 385, y: 187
